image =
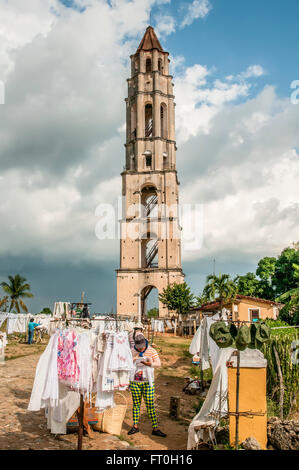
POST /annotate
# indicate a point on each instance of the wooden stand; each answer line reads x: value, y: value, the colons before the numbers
x: 83, y: 423
x: 174, y: 410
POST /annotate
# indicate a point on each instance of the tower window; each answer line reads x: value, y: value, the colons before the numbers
x: 148, y: 65
x: 148, y: 160
x: 163, y: 121
x: 148, y: 120
x: 160, y: 68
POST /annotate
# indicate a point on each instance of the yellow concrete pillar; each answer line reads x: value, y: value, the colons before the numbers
x: 252, y: 397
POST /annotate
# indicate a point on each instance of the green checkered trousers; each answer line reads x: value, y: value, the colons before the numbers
x: 139, y: 389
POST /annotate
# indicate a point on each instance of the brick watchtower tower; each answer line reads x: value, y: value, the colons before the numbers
x: 150, y: 247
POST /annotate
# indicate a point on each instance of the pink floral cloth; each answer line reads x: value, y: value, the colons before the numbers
x: 67, y: 358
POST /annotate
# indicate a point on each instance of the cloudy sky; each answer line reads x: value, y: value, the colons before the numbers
x: 64, y: 65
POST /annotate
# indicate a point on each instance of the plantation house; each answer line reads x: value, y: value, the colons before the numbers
x: 243, y: 308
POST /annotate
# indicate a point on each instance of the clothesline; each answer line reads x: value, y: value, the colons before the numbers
x: 80, y: 362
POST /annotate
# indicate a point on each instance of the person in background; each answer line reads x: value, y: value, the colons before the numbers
x: 145, y: 358
x: 31, y: 326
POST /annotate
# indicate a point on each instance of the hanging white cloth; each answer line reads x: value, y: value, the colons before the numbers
x: 57, y: 417
x: 3, y: 317
x: 11, y: 323
x: 121, y: 356
x: 195, y: 343
x: 213, y: 401
x: 60, y: 308
x: 44, y: 366
x: 204, y: 345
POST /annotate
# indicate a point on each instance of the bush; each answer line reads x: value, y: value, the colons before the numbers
x: 282, y: 340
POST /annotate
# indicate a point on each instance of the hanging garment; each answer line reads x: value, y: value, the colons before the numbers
x: 20, y: 325
x: 195, y: 343
x: 121, y: 356
x: 11, y: 323
x: 57, y: 417
x: 3, y: 317
x: 106, y: 381
x: 60, y: 308
x: 213, y: 402
x: 85, y: 364
x: 121, y: 379
x: 45, y: 374
x: 67, y: 358
x: 204, y: 345
x: 104, y: 400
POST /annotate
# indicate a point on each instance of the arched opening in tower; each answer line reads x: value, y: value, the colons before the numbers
x: 133, y: 121
x: 149, y: 297
x: 149, y: 250
x: 148, y: 66
x: 149, y: 202
x: 163, y: 120
x: 148, y: 125
x: 160, y: 66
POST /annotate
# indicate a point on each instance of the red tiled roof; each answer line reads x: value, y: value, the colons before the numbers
x: 149, y: 41
x: 215, y: 304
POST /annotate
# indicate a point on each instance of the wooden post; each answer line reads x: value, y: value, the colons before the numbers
x: 174, y: 409
x: 80, y: 420
x: 281, y: 387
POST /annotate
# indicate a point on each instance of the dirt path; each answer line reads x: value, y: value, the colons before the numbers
x: 21, y: 429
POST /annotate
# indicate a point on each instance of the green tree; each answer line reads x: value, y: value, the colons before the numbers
x: 16, y: 289
x: 284, y: 279
x: 177, y: 297
x: 46, y: 311
x: 221, y: 286
x: 201, y: 299
x: 153, y: 312
x: 248, y: 284
x: 4, y: 304
x: 291, y: 309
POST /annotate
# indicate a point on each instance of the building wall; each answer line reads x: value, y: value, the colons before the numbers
x: 266, y: 311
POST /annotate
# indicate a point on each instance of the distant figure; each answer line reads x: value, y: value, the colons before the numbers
x: 31, y: 326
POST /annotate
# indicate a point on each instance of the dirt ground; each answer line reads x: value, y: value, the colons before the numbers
x: 21, y: 429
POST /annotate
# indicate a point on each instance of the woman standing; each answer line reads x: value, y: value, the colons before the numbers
x: 142, y: 383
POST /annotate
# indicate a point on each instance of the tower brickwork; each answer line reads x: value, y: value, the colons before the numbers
x: 150, y: 246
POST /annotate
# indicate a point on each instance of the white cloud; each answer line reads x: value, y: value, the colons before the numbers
x: 199, y: 99
x: 197, y: 9
x: 165, y: 25
x: 61, y: 138
x: 245, y: 172
x: 253, y: 71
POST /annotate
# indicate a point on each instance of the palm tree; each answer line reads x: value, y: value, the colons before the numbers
x: 17, y: 289
x: 222, y: 286
x: 3, y: 304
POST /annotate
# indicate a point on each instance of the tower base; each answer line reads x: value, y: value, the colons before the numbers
x: 134, y: 285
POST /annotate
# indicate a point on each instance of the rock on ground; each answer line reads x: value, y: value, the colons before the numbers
x: 251, y: 444
x: 283, y: 434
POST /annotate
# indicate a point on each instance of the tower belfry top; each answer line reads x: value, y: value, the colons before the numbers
x: 149, y: 41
